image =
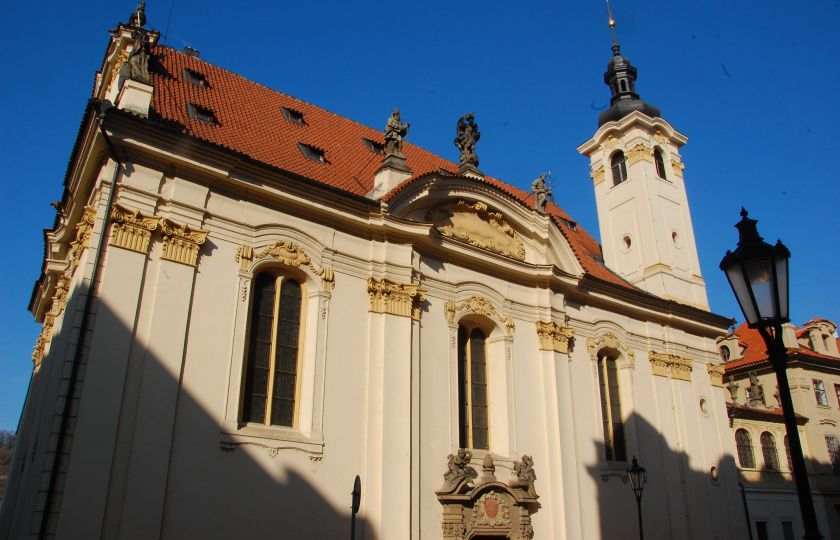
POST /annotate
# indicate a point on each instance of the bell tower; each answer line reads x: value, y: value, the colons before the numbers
x: 645, y: 224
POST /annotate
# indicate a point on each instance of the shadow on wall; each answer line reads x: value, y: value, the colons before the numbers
x: 681, y: 499
x: 154, y: 466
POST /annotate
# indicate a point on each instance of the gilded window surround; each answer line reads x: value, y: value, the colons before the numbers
x: 477, y: 305
x: 553, y: 337
x: 132, y: 229
x: 289, y: 254
x: 608, y: 340
x: 181, y: 243
x: 715, y: 374
x: 401, y: 299
x: 663, y: 365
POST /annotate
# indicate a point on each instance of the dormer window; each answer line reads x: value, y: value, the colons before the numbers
x: 296, y: 117
x: 193, y: 77
x: 725, y: 353
x: 660, y: 163
x: 373, y: 146
x: 311, y: 152
x: 202, y: 114
x: 618, y: 164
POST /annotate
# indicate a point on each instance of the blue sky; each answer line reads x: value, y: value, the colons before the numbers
x: 753, y: 85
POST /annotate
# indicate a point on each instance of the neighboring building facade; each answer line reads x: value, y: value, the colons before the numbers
x: 759, y: 430
x: 248, y: 300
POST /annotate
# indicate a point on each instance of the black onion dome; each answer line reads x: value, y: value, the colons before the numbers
x: 621, y: 78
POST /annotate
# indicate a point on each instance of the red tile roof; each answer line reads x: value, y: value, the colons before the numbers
x: 755, y: 351
x: 250, y: 122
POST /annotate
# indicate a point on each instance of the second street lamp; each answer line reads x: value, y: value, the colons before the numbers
x: 758, y: 275
x: 637, y: 476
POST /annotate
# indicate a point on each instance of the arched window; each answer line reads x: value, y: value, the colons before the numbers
x: 472, y: 389
x: 614, y: 448
x: 768, y: 450
x: 618, y: 164
x: 271, y: 372
x: 743, y: 442
x: 787, y: 453
x: 660, y: 162
x: 724, y: 353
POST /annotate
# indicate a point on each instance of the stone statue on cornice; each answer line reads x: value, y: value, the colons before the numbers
x: 466, y: 137
x: 138, y: 60
x: 395, y: 131
x: 541, y: 192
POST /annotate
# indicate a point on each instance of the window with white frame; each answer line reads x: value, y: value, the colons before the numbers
x: 819, y: 392
x: 473, y: 419
x: 614, y: 446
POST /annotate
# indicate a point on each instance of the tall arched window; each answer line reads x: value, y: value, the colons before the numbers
x: 768, y: 450
x: 743, y: 442
x: 618, y: 164
x: 614, y: 447
x: 472, y: 385
x: 659, y: 160
x: 271, y: 370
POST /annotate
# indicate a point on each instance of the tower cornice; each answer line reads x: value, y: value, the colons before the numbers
x: 634, y: 119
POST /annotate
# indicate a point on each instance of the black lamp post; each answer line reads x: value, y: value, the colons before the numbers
x: 758, y: 275
x: 354, y: 505
x: 638, y: 476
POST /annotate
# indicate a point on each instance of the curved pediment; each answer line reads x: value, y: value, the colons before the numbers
x: 475, y: 223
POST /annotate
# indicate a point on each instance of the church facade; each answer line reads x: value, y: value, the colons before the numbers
x: 248, y: 301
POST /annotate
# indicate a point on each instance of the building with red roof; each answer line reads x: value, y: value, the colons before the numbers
x: 755, y: 413
x: 248, y: 300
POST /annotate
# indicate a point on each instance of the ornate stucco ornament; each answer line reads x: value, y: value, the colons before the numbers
x: 477, y: 225
x: 181, y: 242
x: 289, y: 254
x: 597, y: 175
x: 554, y: 337
x: 678, y: 167
x: 610, y: 341
x: 715, y: 374
x: 640, y: 152
x: 132, y: 229
x: 403, y: 299
x: 479, y: 306
x: 664, y: 364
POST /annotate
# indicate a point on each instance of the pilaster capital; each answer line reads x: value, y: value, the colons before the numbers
x: 402, y: 299
x: 716, y: 372
x: 132, y: 229
x: 640, y: 152
x: 597, y: 175
x: 678, y: 167
x: 663, y: 365
x: 553, y: 337
x: 181, y: 243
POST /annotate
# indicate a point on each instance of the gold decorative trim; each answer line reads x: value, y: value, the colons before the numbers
x: 43, y: 340
x: 468, y: 221
x: 121, y: 59
x: 611, y: 142
x: 663, y: 365
x: 181, y: 242
x: 131, y: 229
x: 678, y: 167
x: 597, y: 175
x: 288, y: 253
x: 638, y: 153
x: 402, y: 299
x: 660, y: 138
x: 479, y: 306
x: 82, y: 241
x: 608, y: 340
x: 716, y: 372
x: 554, y: 337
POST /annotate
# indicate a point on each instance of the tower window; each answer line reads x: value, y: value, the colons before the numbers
x: 768, y: 449
x: 271, y: 371
x: 311, y: 152
x: 472, y: 385
x: 614, y: 448
x: 296, y: 117
x: 743, y: 443
x: 660, y: 163
x: 618, y: 164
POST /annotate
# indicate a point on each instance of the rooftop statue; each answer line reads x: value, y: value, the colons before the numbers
x: 541, y: 192
x: 395, y: 131
x: 466, y: 136
x: 138, y: 60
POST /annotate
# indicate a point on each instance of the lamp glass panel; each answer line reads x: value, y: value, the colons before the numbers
x: 782, y: 280
x: 742, y: 291
x: 760, y: 276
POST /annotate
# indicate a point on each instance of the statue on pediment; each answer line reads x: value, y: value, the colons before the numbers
x: 524, y: 475
x: 458, y: 469
x: 395, y: 131
x: 137, y: 66
x: 541, y: 192
x: 466, y: 136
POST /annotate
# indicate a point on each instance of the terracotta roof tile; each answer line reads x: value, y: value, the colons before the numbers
x: 251, y: 122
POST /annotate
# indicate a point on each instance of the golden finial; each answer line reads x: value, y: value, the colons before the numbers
x: 611, y: 20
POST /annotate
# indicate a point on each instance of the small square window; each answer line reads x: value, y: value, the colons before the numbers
x: 292, y: 115
x: 202, y: 114
x: 193, y: 77
x: 373, y: 146
x: 311, y: 152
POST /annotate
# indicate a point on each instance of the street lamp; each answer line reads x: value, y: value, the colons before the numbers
x: 758, y: 275
x: 638, y: 476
